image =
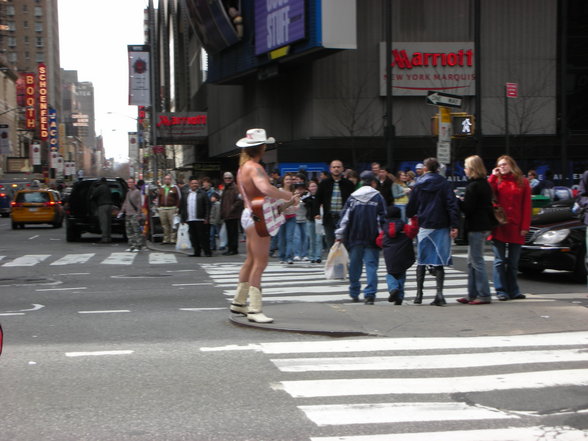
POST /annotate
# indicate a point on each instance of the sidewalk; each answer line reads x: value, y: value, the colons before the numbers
x: 536, y: 314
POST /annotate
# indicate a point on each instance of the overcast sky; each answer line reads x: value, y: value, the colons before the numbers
x: 93, y: 39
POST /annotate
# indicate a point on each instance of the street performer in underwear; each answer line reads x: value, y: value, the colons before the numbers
x: 254, y: 182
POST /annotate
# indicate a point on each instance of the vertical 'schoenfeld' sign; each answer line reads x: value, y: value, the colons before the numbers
x: 139, y: 76
x: 53, y: 131
x: 30, y: 100
x: 43, y: 102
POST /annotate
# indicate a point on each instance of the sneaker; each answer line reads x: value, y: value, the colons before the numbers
x: 129, y: 250
x: 464, y: 300
x: 480, y: 302
x: 318, y: 260
x: 135, y: 250
x: 290, y: 262
x: 283, y: 262
x: 369, y: 300
x: 297, y: 258
x: 305, y: 259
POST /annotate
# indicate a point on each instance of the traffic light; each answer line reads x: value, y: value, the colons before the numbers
x: 463, y: 124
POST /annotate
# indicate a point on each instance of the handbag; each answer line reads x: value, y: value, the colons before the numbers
x: 499, y: 213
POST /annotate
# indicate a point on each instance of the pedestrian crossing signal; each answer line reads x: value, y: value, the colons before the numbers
x: 463, y: 124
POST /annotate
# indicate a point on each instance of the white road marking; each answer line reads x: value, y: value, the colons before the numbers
x: 547, y: 433
x: 487, y: 258
x: 62, y: 289
x: 191, y: 284
x: 6, y: 314
x: 416, y: 344
x: 202, y: 309
x: 481, y: 383
x: 344, y: 414
x: 97, y: 353
x: 35, y: 307
x: 414, y: 362
x: 74, y: 274
x: 70, y: 259
x: 181, y: 271
x: 104, y: 312
x: 119, y: 259
x: 27, y: 260
x: 162, y: 258
x: 33, y: 237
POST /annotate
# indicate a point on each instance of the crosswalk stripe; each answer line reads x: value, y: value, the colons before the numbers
x: 70, y: 259
x: 482, y: 383
x: 345, y: 414
x: 415, y: 362
x: 27, y: 260
x: 162, y: 258
x: 559, y: 433
x: 417, y: 344
x: 119, y: 259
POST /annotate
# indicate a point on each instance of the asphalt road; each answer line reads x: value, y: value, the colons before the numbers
x: 103, y: 345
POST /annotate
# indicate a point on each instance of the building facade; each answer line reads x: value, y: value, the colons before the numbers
x: 325, y: 103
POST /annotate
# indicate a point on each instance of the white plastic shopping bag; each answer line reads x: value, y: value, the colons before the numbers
x: 337, y: 262
x: 183, y: 238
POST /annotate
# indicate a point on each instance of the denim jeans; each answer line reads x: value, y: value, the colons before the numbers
x: 358, y: 256
x: 478, y: 286
x: 213, y: 233
x: 396, y: 281
x: 506, y: 267
x: 300, y: 240
x: 286, y: 233
x: 315, y: 242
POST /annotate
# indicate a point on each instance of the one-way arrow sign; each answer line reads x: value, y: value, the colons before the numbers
x: 444, y: 99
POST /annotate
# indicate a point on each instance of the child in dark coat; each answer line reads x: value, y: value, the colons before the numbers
x: 396, y: 240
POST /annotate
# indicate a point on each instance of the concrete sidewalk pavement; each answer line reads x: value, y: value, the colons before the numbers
x: 536, y: 314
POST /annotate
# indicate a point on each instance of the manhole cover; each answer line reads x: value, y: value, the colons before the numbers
x: 23, y: 281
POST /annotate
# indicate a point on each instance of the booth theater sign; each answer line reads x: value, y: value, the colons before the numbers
x: 420, y: 67
x: 178, y: 128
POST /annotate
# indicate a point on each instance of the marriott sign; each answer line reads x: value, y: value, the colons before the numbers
x: 419, y: 67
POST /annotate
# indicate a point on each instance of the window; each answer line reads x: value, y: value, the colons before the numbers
x: 10, y: 10
x: 26, y: 39
x: 25, y: 8
x: 38, y: 26
x: 25, y: 24
x: 39, y: 41
x: 40, y: 57
x: 11, y: 26
x: 38, y: 11
x: 12, y: 41
x: 12, y: 57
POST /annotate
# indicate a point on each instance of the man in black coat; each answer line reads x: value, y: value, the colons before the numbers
x: 332, y: 194
x: 195, y: 209
x: 102, y: 197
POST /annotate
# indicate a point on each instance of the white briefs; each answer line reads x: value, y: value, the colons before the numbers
x: 247, y: 219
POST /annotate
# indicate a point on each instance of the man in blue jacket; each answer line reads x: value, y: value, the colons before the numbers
x: 362, y: 219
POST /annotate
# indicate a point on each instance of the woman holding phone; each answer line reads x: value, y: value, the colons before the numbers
x: 513, y: 193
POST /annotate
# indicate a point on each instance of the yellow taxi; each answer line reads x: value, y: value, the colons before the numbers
x: 36, y: 207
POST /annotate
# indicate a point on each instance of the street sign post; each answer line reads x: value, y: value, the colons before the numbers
x: 444, y: 152
x: 444, y: 99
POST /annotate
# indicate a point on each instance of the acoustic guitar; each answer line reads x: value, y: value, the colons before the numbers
x: 267, y: 216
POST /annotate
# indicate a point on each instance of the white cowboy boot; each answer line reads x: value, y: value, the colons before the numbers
x: 239, y: 303
x: 255, y: 314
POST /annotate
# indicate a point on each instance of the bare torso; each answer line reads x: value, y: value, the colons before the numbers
x: 254, y: 182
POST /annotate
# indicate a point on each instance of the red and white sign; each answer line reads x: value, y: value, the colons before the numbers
x: 53, y: 156
x: 30, y: 101
x: 418, y: 67
x: 36, y: 153
x: 43, y: 102
x: 181, y: 126
x: 512, y: 90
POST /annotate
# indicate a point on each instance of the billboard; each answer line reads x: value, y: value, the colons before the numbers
x: 139, y: 76
x: 175, y: 128
x: 278, y: 23
x: 418, y: 67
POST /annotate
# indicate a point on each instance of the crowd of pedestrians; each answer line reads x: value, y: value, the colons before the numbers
x: 375, y: 210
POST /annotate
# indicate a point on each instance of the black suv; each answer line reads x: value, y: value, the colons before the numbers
x: 80, y: 212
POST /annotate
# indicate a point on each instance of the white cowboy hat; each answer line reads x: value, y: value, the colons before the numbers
x: 255, y: 137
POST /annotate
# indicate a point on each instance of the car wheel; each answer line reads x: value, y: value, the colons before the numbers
x: 14, y: 225
x: 531, y: 271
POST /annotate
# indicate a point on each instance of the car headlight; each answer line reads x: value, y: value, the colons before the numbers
x: 552, y: 236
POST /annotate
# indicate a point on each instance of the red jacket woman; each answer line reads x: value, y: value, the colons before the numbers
x: 513, y: 193
x: 515, y: 199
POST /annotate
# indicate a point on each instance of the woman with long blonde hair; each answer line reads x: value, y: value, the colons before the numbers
x: 513, y: 193
x: 479, y: 220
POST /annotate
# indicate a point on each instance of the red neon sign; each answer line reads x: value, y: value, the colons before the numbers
x: 43, y: 102
x: 181, y: 120
x: 30, y: 101
x: 460, y: 58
